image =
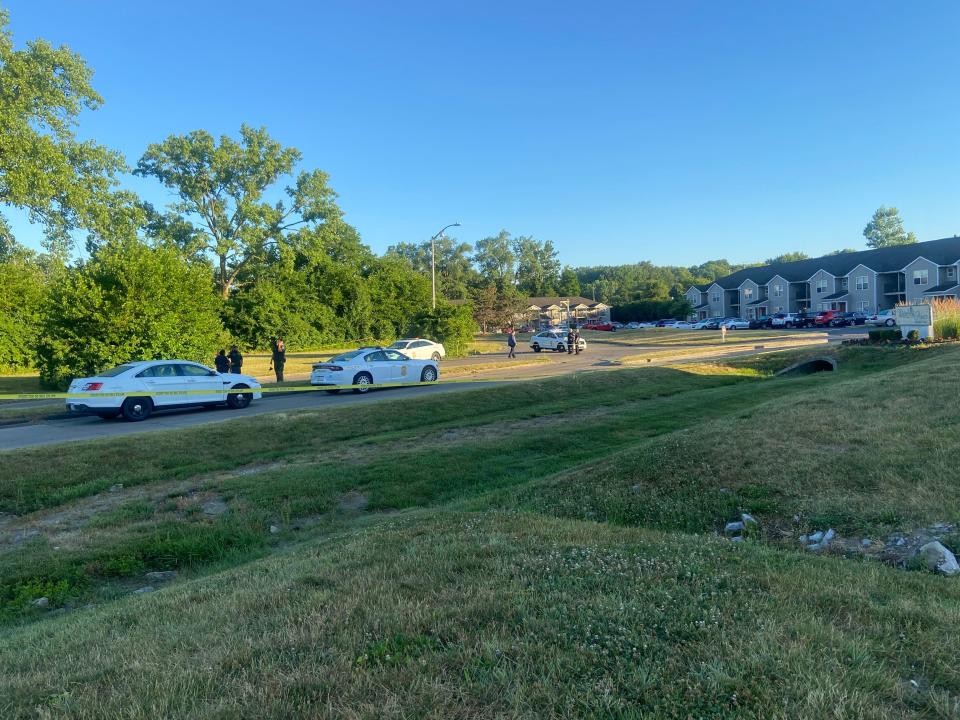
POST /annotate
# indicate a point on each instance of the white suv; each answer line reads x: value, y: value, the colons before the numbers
x: 551, y: 340
x: 783, y: 320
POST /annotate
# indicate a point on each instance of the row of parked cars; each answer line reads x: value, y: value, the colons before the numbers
x: 822, y: 319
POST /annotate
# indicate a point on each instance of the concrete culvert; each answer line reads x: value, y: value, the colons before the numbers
x: 813, y: 365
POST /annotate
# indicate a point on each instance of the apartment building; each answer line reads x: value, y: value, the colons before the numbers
x: 869, y: 281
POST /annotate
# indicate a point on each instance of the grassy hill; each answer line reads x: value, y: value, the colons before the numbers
x: 535, y: 549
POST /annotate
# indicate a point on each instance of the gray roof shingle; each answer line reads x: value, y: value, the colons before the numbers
x: 945, y: 251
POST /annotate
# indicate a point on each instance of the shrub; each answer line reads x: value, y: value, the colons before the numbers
x: 946, y: 319
x: 128, y: 302
x: 885, y: 335
x: 451, y: 325
x: 913, y: 336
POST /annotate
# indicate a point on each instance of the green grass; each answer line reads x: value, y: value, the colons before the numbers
x: 541, y: 549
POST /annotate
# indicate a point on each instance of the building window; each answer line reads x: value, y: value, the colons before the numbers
x: 863, y: 282
x: 863, y: 306
x: 777, y: 290
x: 843, y: 284
x: 821, y: 285
x: 715, y: 298
x: 921, y: 277
x: 777, y: 309
x: 748, y: 293
x: 951, y: 272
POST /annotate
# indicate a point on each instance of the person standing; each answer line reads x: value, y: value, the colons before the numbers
x: 571, y: 341
x: 511, y: 343
x: 222, y: 362
x: 278, y: 358
x: 576, y: 340
x: 236, y: 360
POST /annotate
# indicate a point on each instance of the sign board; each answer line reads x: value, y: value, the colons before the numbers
x: 915, y: 317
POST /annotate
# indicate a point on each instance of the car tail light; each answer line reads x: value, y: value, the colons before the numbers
x: 90, y: 387
x: 334, y: 368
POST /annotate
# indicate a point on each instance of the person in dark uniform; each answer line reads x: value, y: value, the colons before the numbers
x: 511, y: 343
x: 279, y: 358
x: 576, y: 340
x: 222, y: 362
x: 236, y: 360
x: 571, y: 341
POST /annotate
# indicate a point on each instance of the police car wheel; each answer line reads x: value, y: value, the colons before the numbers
x: 238, y: 401
x: 362, y: 382
x: 135, y: 409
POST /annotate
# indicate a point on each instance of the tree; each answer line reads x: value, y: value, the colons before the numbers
x: 843, y: 251
x: 61, y: 182
x: 222, y: 188
x: 451, y: 325
x: 22, y: 290
x: 128, y: 302
x: 538, y: 267
x: 786, y: 257
x: 885, y: 229
x: 454, y: 266
x: 495, y: 308
x: 495, y: 260
x: 569, y: 282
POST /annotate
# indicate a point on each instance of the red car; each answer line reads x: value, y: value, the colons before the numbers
x: 608, y: 327
x: 823, y: 319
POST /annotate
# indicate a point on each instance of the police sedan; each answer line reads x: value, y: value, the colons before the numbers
x: 363, y: 368
x: 136, y: 389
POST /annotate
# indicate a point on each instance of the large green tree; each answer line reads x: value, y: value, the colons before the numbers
x: 787, y: 257
x: 454, y: 265
x: 538, y: 266
x: 230, y: 202
x: 885, y: 229
x: 63, y: 183
x: 495, y: 260
x: 129, y: 301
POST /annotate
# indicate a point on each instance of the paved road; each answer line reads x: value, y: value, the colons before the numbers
x: 603, y: 355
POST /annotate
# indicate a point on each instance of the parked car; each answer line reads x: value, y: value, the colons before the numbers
x: 847, y: 319
x: 764, y: 321
x: 136, y: 389
x: 364, y: 367
x: 420, y: 349
x: 549, y: 340
x: 666, y: 323
x: 607, y: 327
x: 714, y: 323
x: 633, y: 325
x: 825, y: 318
x: 807, y: 318
x: 735, y: 324
x: 617, y: 325
x: 702, y: 324
x: 884, y: 317
x: 783, y: 320
x: 683, y: 325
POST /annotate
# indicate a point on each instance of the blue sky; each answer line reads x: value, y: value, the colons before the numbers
x: 669, y: 131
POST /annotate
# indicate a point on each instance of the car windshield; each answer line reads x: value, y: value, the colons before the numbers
x: 400, y: 344
x: 348, y: 356
x: 119, y: 370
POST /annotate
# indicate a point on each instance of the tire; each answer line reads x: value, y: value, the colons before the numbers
x: 363, y: 381
x: 428, y: 374
x: 332, y: 392
x: 536, y: 348
x: 435, y: 357
x: 560, y: 348
x: 135, y: 409
x: 238, y: 401
x: 890, y: 322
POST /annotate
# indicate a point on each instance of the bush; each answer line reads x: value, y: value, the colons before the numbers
x: 946, y: 319
x: 22, y: 287
x: 913, y: 336
x: 885, y: 335
x: 128, y: 302
x: 451, y: 325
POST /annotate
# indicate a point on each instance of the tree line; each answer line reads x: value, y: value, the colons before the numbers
x: 253, y: 246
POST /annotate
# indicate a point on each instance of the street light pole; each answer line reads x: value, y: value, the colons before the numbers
x: 433, y: 261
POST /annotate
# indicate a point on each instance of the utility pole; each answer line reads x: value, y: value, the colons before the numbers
x: 433, y: 262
